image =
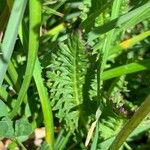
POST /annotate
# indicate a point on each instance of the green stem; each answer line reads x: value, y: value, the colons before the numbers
x: 34, y: 28
x: 137, y: 118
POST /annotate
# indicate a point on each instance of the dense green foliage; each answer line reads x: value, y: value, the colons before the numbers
x: 90, y: 64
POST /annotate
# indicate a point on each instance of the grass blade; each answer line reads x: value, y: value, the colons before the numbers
x: 126, y: 69
x: 106, y: 47
x: 45, y: 103
x: 137, y: 118
x: 11, y: 35
x: 129, y: 43
x: 129, y: 19
x: 95, y: 139
x: 34, y: 27
x: 42, y: 91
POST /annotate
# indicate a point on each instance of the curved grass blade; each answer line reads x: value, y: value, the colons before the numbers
x: 137, y: 118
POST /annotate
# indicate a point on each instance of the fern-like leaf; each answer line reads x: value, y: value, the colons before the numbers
x: 66, y: 79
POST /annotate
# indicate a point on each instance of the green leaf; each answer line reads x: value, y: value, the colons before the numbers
x: 23, y: 129
x: 66, y: 80
x: 3, y: 109
x: 6, y: 128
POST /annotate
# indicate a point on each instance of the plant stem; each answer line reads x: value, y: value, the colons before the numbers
x: 137, y: 118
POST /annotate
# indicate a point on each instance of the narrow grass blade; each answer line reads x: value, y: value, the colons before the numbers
x: 11, y: 35
x: 129, y: 43
x: 95, y: 139
x: 126, y: 69
x: 45, y: 103
x: 14, y: 76
x: 42, y: 91
x: 129, y: 19
x: 137, y: 118
x: 34, y: 31
x: 104, y: 52
x: 64, y: 141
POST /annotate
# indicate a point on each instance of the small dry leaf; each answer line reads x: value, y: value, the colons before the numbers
x: 90, y: 133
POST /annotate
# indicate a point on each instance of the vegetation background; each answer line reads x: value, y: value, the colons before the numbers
x: 78, y: 68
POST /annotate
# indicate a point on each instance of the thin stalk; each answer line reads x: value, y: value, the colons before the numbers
x: 137, y: 118
x: 110, y: 35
